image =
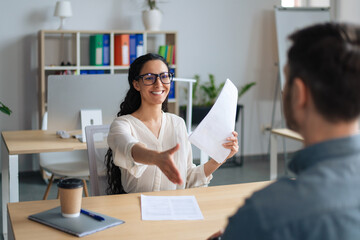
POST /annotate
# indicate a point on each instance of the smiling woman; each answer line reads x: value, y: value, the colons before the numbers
x: 151, y: 90
x: 149, y: 148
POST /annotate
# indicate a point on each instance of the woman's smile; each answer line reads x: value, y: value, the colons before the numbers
x: 158, y: 92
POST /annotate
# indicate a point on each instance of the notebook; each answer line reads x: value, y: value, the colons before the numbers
x: 79, y: 226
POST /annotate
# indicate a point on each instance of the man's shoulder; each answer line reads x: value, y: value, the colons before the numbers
x: 281, y: 199
x: 302, y: 199
x: 274, y: 193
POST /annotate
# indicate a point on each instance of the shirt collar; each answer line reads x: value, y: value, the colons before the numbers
x: 324, y: 151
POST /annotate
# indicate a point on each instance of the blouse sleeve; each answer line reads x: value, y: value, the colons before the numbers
x: 121, y: 141
x: 195, y: 174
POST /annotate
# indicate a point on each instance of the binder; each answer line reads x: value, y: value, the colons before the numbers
x: 173, y: 57
x: 166, y: 51
x: 172, y: 90
x: 106, y: 50
x: 161, y: 51
x: 169, y: 54
x: 79, y: 226
x: 139, y: 45
x: 96, y: 50
x: 121, y: 50
x: 172, y: 86
x: 132, y: 39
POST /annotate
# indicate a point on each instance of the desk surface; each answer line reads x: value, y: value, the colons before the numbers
x: 38, y: 141
x: 216, y: 203
x: 287, y: 133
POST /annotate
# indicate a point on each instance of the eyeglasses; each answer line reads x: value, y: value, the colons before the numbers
x: 150, y: 78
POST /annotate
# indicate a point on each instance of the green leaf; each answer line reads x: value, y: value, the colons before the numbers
x: 5, y: 109
x: 195, y: 86
x: 209, y: 91
x: 152, y: 4
x: 245, y: 88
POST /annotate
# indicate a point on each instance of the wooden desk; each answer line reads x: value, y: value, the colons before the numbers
x: 27, y: 142
x: 216, y: 203
x: 283, y: 132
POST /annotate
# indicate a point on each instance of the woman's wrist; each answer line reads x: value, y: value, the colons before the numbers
x: 143, y: 155
x: 210, y: 166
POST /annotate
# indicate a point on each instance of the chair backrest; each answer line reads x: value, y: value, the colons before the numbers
x: 54, y: 158
x: 96, y: 140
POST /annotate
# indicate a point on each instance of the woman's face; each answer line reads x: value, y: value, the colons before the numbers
x: 156, y: 93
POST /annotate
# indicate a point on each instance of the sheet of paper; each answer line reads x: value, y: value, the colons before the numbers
x: 170, y: 208
x: 218, y: 124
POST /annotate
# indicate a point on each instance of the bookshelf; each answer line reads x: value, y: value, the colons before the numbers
x: 71, y: 48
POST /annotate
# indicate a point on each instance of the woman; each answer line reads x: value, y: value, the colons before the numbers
x: 149, y: 148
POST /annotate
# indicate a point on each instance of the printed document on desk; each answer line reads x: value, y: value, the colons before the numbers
x: 218, y: 124
x: 170, y: 208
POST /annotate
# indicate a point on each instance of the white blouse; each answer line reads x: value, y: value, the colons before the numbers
x: 126, y: 131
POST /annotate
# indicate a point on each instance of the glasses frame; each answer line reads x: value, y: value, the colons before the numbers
x: 171, y: 76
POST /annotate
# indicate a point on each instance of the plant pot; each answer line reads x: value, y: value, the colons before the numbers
x: 152, y: 19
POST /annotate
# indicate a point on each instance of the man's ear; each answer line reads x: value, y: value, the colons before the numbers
x: 136, y: 85
x: 300, y: 93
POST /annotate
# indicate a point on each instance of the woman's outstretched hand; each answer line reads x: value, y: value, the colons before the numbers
x: 232, y: 144
x: 167, y: 165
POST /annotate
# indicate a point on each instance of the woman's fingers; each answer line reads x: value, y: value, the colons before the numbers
x: 216, y: 235
x: 172, y: 173
x: 232, y: 144
x: 168, y: 167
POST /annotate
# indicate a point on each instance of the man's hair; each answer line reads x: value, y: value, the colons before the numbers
x: 327, y: 58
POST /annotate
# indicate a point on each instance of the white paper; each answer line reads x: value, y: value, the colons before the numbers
x: 170, y: 208
x: 218, y: 124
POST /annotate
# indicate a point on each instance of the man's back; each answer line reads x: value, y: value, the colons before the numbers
x: 322, y: 203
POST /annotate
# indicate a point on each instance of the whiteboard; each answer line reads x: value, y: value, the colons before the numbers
x: 289, y: 20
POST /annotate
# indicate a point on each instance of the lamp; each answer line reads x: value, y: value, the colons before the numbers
x: 62, y: 10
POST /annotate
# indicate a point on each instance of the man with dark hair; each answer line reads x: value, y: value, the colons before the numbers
x: 322, y: 103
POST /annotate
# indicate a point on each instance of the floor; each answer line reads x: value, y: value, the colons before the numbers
x: 32, y: 186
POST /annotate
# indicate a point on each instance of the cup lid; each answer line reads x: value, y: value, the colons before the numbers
x: 70, y: 183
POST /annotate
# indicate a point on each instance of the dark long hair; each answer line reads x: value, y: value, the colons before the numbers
x: 130, y: 104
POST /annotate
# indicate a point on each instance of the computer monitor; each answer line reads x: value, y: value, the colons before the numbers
x: 68, y: 94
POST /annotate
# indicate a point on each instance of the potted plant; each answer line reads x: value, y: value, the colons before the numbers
x: 5, y: 109
x: 204, y: 96
x: 152, y: 16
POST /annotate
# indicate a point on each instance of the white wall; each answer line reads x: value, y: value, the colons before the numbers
x: 230, y: 38
x: 348, y: 11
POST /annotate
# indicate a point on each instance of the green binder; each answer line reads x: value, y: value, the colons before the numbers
x: 96, y: 50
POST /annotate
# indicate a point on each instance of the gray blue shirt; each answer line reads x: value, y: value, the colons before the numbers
x: 323, y: 202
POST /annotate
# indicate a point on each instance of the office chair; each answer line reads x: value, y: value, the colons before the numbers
x: 64, y: 164
x: 96, y: 140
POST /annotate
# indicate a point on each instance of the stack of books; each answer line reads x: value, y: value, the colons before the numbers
x: 167, y: 52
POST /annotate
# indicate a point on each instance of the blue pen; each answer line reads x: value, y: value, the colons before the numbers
x: 97, y: 217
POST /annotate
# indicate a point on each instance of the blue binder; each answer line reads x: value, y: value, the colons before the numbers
x: 106, y: 49
x: 139, y: 45
x: 132, y: 44
x: 172, y: 86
